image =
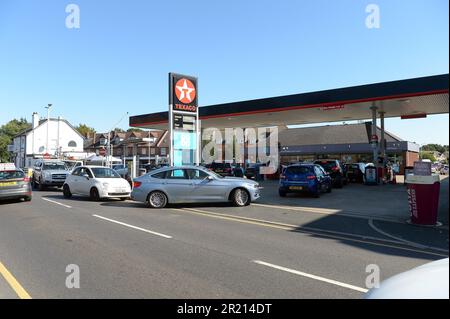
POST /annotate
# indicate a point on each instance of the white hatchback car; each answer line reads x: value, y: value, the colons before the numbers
x: 96, y: 182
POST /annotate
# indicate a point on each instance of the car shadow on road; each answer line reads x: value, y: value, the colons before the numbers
x: 6, y: 202
x: 358, y: 233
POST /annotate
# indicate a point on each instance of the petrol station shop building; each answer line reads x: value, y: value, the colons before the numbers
x: 406, y: 99
x: 348, y: 143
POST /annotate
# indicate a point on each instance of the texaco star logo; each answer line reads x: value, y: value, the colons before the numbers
x: 185, y: 91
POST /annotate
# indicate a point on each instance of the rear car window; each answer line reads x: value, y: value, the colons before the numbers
x: 298, y: 170
x: 4, y: 175
x: 160, y: 175
x: 327, y: 164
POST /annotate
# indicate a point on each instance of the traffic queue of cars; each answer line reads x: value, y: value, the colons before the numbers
x: 185, y: 184
x: 163, y: 185
x: 319, y: 176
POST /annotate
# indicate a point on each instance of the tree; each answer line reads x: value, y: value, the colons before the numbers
x: 85, y: 130
x: 427, y: 155
x: 119, y: 130
x: 134, y: 129
x: 7, y: 132
x: 434, y: 148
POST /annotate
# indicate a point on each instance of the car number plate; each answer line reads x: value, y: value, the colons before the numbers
x: 4, y: 184
x: 296, y: 187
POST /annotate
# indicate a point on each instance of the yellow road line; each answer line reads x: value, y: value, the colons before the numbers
x: 305, y: 230
x: 18, y: 289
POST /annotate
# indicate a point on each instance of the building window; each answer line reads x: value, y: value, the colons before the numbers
x: 152, y: 151
x: 72, y: 144
x: 163, y: 151
x: 143, y: 151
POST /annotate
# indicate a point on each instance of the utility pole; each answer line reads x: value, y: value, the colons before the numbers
x: 48, y: 124
x: 109, y: 154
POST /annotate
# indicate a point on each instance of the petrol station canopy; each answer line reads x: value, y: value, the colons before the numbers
x: 410, y: 98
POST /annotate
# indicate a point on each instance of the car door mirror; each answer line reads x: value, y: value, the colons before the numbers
x: 209, y: 178
x: 85, y: 176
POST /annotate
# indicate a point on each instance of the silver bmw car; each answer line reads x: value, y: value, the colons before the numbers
x: 192, y: 184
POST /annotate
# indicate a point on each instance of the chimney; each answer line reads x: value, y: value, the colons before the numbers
x: 34, y: 120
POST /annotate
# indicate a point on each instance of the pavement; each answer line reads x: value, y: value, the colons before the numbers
x: 300, y: 249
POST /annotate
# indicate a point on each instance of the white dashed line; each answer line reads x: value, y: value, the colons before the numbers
x: 134, y: 227
x: 304, y: 274
x: 55, y: 202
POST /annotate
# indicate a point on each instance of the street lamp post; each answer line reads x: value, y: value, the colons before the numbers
x: 109, y: 154
x: 48, y: 124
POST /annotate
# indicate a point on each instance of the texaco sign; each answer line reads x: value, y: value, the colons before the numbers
x: 183, y: 92
x: 183, y: 120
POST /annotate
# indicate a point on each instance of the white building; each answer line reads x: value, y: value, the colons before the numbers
x: 34, y: 143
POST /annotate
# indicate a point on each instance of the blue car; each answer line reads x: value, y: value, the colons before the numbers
x: 309, y: 178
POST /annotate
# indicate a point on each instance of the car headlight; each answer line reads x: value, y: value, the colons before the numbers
x: 46, y: 174
x: 105, y: 185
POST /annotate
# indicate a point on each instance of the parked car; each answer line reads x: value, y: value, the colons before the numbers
x: 250, y: 171
x: 355, y: 172
x: 336, y: 171
x: 310, y: 178
x: 223, y: 168
x: 14, y: 183
x: 97, y: 182
x: 429, y: 281
x: 121, y: 169
x: 444, y: 170
x: 49, y: 173
x: 192, y: 184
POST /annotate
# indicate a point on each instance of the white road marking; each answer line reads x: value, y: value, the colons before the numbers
x: 55, y: 202
x: 131, y: 226
x: 411, y: 243
x: 304, y: 274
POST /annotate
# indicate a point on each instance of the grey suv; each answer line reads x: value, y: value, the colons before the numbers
x: 49, y: 173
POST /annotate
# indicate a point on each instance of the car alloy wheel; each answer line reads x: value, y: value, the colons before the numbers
x: 157, y: 200
x: 241, y: 197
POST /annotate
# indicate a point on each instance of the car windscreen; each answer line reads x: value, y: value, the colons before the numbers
x: 298, y: 170
x: 215, y: 174
x: 69, y: 165
x: 4, y: 175
x: 104, y: 172
x: 54, y: 166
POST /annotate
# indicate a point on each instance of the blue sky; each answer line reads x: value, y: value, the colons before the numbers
x: 119, y: 58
